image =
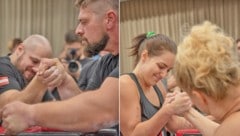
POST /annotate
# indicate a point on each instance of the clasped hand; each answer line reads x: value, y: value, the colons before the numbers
x: 52, y: 72
x: 178, y: 102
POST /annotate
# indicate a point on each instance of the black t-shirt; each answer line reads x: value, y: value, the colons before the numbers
x: 14, y: 77
x: 94, y: 73
x: 86, y: 74
x: 85, y: 61
x: 115, y: 72
x: 11, y: 78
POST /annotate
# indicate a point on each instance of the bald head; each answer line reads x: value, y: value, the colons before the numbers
x: 38, y: 43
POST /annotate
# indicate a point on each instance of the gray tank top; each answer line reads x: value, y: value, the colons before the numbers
x: 147, y: 108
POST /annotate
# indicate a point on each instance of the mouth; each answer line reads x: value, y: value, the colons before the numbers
x: 29, y: 75
x: 84, y: 41
x: 157, y: 77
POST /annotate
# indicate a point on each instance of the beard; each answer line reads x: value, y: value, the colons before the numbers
x: 95, y: 48
x: 21, y: 70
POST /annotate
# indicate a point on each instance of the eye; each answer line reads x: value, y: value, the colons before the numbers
x: 82, y: 21
x: 35, y: 61
x: 161, y: 66
x: 169, y: 70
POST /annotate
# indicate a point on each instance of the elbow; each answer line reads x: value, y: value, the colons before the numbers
x: 172, y: 126
x: 99, y: 122
x: 105, y: 121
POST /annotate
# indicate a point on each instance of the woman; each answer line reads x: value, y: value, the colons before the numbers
x: 208, y: 70
x: 142, y: 111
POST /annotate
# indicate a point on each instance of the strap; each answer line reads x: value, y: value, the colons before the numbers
x: 163, y: 132
x: 134, y: 78
x: 157, y: 90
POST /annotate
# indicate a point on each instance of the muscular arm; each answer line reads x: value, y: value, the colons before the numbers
x: 229, y: 126
x: 86, y: 112
x: 33, y: 93
x: 68, y: 88
x: 66, y: 85
x: 130, y: 116
x: 203, y: 124
x: 177, y: 123
x: 130, y: 113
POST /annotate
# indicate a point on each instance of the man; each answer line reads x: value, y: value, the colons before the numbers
x: 18, y: 69
x: 89, y: 111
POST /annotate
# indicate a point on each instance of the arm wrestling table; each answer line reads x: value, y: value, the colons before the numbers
x: 40, y: 131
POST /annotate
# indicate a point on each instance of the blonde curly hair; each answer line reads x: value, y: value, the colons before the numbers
x: 206, y: 62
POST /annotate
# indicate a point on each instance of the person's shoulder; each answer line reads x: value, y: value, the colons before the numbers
x: 125, y: 78
x: 90, y: 63
x: 115, y: 72
x: 234, y: 122
x: 234, y: 117
x: 129, y: 95
x: 5, y: 64
x: 127, y: 86
x: 85, y: 61
x: 4, y: 59
x: 109, y: 57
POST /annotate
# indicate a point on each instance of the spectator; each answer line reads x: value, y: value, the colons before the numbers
x: 12, y: 45
x: 73, y: 42
x: 74, y: 56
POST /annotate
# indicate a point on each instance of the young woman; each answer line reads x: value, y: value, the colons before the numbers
x: 143, y: 111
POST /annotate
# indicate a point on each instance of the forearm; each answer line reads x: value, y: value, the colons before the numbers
x: 177, y: 123
x: 154, y: 125
x: 33, y: 93
x: 81, y: 113
x: 203, y: 124
x: 68, y: 88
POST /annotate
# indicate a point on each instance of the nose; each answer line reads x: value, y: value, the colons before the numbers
x: 35, y: 69
x: 79, y: 30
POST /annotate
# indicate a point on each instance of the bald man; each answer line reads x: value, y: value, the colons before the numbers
x: 19, y: 69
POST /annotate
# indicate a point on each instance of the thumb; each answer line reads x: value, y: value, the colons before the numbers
x: 46, y: 64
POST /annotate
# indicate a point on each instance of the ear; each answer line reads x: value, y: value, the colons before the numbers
x: 19, y: 50
x: 200, y: 97
x: 144, y: 55
x: 111, y: 18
